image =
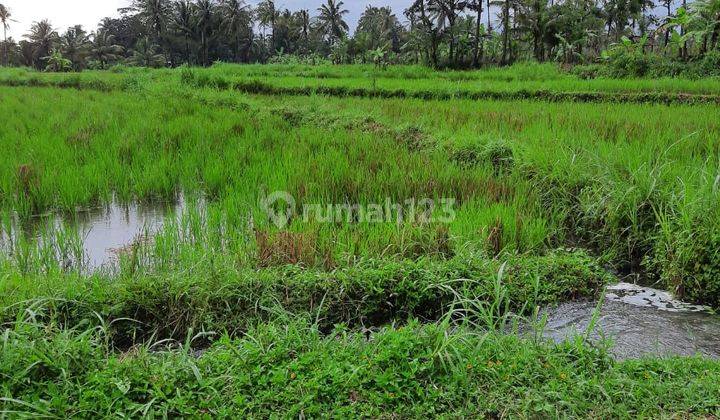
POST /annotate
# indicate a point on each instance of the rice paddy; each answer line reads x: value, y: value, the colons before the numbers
x: 330, y: 250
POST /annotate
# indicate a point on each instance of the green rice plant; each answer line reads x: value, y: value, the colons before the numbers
x: 586, y: 172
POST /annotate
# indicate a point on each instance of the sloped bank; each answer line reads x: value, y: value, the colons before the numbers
x: 167, y: 305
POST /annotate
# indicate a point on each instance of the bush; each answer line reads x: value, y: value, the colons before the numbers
x: 629, y: 59
x: 709, y: 65
x: 688, y: 259
x: 187, y: 76
x: 118, y: 68
x: 132, y: 83
x: 629, y: 64
x: 497, y: 153
x: 588, y: 71
x: 289, y: 369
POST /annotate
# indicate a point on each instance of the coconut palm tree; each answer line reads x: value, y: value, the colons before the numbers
x: 5, y: 22
x: 477, y: 7
x: 236, y: 23
x: 303, y: 25
x: 42, y: 37
x: 331, y: 20
x: 154, y: 14
x: 506, y: 15
x: 104, y: 49
x: 381, y: 26
x: 183, y: 24
x: 267, y: 15
x: 75, y: 46
x: 424, y: 30
x: 205, y: 15
x: 146, y: 54
x: 446, y: 13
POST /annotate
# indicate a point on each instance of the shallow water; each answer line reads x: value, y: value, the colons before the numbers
x: 104, y: 231
x: 640, y: 321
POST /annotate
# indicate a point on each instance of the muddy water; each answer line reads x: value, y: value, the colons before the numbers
x: 640, y: 321
x: 104, y: 231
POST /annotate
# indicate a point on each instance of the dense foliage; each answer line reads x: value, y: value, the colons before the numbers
x: 634, y: 38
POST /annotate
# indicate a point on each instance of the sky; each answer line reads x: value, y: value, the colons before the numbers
x: 65, y: 13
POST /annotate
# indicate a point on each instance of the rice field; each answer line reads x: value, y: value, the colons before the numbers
x: 341, y: 252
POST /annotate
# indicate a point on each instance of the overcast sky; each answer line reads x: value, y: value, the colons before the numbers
x: 65, y: 13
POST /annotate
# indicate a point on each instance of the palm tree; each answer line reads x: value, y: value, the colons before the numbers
x: 507, y: 6
x: 303, y: 19
x: 331, y: 20
x: 205, y: 13
x: 477, y: 7
x: 268, y: 15
x: 154, y: 14
x: 5, y: 22
x: 426, y: 31
x: 446, y: 13
x: 103, y: 48
x: 42, y: 37
x: 236, y: 23
x: 183, y: 23
x: 75, y: 46
x: 146, y: 54
x: 380, y: 27
x: 533, y: 20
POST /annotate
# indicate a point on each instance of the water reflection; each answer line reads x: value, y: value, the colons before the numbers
x: 104, y: 232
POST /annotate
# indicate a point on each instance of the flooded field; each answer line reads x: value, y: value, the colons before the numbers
x: 103, y: 232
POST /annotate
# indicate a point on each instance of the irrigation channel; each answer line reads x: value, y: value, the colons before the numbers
x: 638, y: 320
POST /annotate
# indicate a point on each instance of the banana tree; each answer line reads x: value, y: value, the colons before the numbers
x: 676, y: 41
x: 379, y: 58
x: 704, y: 24
x: 57, y: 63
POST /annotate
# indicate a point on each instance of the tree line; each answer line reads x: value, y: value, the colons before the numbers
x: 439, y: 33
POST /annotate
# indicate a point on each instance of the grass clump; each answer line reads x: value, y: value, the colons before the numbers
x: 498, y: 153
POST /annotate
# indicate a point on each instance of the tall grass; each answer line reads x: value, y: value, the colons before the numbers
x: 638, y: 183
x: 526, y: 175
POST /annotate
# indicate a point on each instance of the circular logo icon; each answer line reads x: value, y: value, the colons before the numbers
x: 280, y: 207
